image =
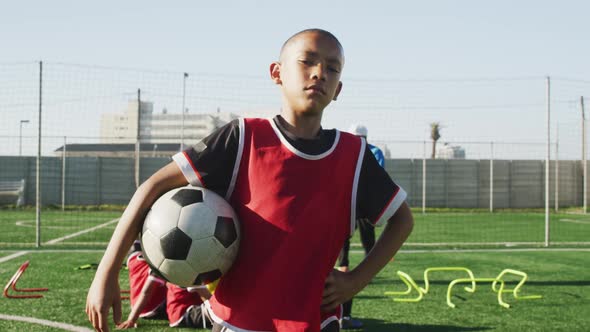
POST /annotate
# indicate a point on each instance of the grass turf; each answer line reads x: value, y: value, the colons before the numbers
x: 562, y: 277
x: 438, y: 228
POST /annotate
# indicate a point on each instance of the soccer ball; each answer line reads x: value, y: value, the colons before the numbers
x: 190, y: 236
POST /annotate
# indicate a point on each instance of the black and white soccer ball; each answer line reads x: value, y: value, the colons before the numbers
x: 190, y: 236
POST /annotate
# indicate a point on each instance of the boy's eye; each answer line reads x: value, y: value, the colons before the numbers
x: 306, y: 62
x: 333, y: 69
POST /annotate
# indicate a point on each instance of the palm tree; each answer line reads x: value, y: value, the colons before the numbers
x: 434, y: 135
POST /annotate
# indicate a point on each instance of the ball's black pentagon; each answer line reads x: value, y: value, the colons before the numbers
x: 207, y: 277
x: 186, y: 197
x: 175, y: 244
x: 225, y: 231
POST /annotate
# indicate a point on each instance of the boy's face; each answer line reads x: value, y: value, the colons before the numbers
x: 309, y: 72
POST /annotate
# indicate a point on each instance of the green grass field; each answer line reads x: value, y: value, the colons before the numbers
x: 562, y: 277
x: 19, y: 228
x: 559, y: 274
x: 461, y: 228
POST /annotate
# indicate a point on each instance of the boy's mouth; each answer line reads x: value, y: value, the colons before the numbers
x: 316, y: 88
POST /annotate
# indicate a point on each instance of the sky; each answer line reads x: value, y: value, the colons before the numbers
x: 426, y: 44
x: 408, y: 39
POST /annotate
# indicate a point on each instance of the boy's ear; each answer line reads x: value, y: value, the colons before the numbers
x: 338, y: 89
x: 275, y: 72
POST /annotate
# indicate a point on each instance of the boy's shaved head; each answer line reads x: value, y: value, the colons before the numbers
x: 309, y: 71
x: 322, y: 32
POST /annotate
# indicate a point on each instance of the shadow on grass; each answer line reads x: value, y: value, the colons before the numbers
x: 375, y: 325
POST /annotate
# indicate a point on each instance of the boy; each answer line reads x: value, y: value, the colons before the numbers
x: 296, y: 188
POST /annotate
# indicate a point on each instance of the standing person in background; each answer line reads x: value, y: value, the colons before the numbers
x: 367, y: 232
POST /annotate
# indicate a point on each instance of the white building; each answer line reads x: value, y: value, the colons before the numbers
x: 447, y: 151
x: 158, y: 128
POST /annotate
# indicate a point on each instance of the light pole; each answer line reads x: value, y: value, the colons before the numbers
x: 185, y: 76
x: 20, y: 137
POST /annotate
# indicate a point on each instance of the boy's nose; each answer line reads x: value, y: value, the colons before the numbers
x: 319, y: 72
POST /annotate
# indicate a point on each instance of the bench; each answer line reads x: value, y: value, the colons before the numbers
x: 12, y: 192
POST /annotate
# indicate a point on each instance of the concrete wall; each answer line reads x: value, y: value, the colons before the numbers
x: 449, y: 183
x: 466, y: 183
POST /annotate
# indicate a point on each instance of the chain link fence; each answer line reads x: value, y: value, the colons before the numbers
x: 99, y: 131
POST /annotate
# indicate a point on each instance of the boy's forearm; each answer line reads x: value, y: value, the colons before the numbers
x: 126, y: 231
x: 396, y: 232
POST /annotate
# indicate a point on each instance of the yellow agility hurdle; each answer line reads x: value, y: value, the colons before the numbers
x: 411, y: 285
x: 518, y: 286
x: 494, y: 281
x: 501, y: 290
x: 498, y: 285
x: 453, y: 268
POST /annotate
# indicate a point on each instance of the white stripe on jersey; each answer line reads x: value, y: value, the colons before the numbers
x: 355, y: 185
x: 232, y: 183
x: 303, y: 155
x: 395, y: 202
x: 187, y: 169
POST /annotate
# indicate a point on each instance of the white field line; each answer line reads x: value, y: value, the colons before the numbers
x: 31, y: 223
x: 59, y: 239
x: 45, y: 251
x: 33, y: 320
x: 15, y: 255
x: 27, y: 223
x: 72, y: 243
x: 576, y: 221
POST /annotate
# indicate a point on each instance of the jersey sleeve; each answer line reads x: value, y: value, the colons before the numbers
x: 210, y: 163
x: 378, y: 196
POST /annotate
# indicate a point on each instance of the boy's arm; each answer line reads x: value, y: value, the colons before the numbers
x: 142, y: 300
x: 341, y: 286
x: 104, y: 292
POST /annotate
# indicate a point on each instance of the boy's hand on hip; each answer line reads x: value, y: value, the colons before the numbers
x: 338, y: 288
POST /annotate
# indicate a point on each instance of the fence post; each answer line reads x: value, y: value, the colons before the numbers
x: 63, y: 176
x: 185, y: 76
x: 424, y: 180
x: 491, y: 176
x: 446, y: 181
x: 138, y: 139
x: 38, y: 170
x: 584, y: 166
x: 547, y: 159
x: 98, y: 180
x: 557, y: 168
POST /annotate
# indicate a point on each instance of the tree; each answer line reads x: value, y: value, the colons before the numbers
x: 434, y: 135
